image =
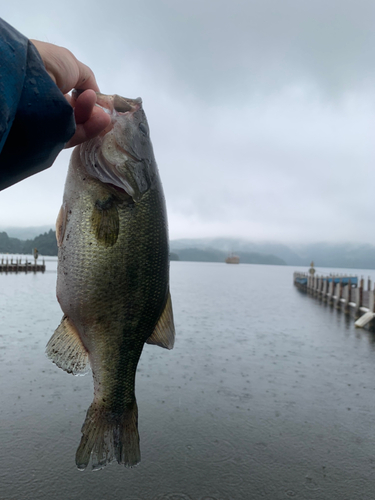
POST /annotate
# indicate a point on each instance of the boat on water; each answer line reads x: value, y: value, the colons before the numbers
x: 232, y: 259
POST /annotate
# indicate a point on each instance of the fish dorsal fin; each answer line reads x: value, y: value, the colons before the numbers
x: 66, y: 350
x: 61, y: 225
x: 164, y: 333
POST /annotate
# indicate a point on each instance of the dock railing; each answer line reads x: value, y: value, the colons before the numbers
x: 8, y: 266
x: 347, y: 293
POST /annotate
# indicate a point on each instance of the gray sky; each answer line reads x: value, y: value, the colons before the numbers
x: 262, y: 113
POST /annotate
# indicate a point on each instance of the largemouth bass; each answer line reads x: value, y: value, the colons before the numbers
x: 113, y: 277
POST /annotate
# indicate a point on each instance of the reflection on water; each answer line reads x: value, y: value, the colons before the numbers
x: 267, y: 394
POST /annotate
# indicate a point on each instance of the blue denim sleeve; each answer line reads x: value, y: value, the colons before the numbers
x: 36, y: 121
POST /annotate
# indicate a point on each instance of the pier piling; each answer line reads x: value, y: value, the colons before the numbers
x: 346, y: 293
x: 7, y: 266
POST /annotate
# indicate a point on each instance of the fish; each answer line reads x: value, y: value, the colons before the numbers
x: 113, y: 277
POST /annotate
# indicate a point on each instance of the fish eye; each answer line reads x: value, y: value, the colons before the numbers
x: 143, y: 129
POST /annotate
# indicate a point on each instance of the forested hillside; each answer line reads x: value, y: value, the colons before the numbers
x: 45, y: 243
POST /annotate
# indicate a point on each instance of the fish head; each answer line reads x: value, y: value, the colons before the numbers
x: 130, y: 125
x: 122, y: 155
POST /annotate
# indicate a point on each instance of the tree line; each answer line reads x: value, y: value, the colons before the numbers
x: 45, y: 243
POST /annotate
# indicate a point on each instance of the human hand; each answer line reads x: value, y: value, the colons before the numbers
x: 69, y: 73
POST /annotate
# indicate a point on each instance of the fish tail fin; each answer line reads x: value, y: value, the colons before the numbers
x: 109, y: 436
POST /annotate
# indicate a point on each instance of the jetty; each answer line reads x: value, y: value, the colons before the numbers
x: 17, y: 266
x: 346, y: 293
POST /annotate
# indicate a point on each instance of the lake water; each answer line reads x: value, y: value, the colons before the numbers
x: 267, y: 394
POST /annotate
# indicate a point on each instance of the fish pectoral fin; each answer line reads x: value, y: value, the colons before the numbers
x: 164, y: 333
x: 106, y: 221
x: 66, y: 350
x: 61, y: 225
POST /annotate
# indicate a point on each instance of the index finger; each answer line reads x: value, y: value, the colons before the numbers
x: 86, y: 78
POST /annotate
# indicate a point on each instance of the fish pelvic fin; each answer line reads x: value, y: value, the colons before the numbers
x: 109, y: 437
x: 66, y: 350
x: 164, y: 333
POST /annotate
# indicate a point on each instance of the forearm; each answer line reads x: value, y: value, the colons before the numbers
x: 36, y: 120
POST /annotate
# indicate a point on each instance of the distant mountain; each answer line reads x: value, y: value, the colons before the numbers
x: 260, y: 258
x: 347, y: 255
x: 228, y: 245
x: 26, y: 233
x: 215, y: 255
x: 45, y: 243
x: 10, y: 245
x: 344, y: 255
x: 173, y: 256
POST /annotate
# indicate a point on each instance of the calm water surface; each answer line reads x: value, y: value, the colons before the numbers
x: 267, y: 394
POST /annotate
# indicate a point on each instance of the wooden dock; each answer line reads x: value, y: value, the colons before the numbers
x: 347, y: 293
x: 17, y: 266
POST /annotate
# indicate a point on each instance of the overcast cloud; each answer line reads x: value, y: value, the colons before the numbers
x: 262, y: 113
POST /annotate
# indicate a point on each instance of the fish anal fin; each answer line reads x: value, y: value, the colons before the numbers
x: 61, y: 225
x: 66, y: 350
x: 106, y: 221
x: 164, y: 333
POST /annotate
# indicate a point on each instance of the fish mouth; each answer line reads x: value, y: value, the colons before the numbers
x: 117, y: 104
x: 113, y: 102
x: 114, y: 105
